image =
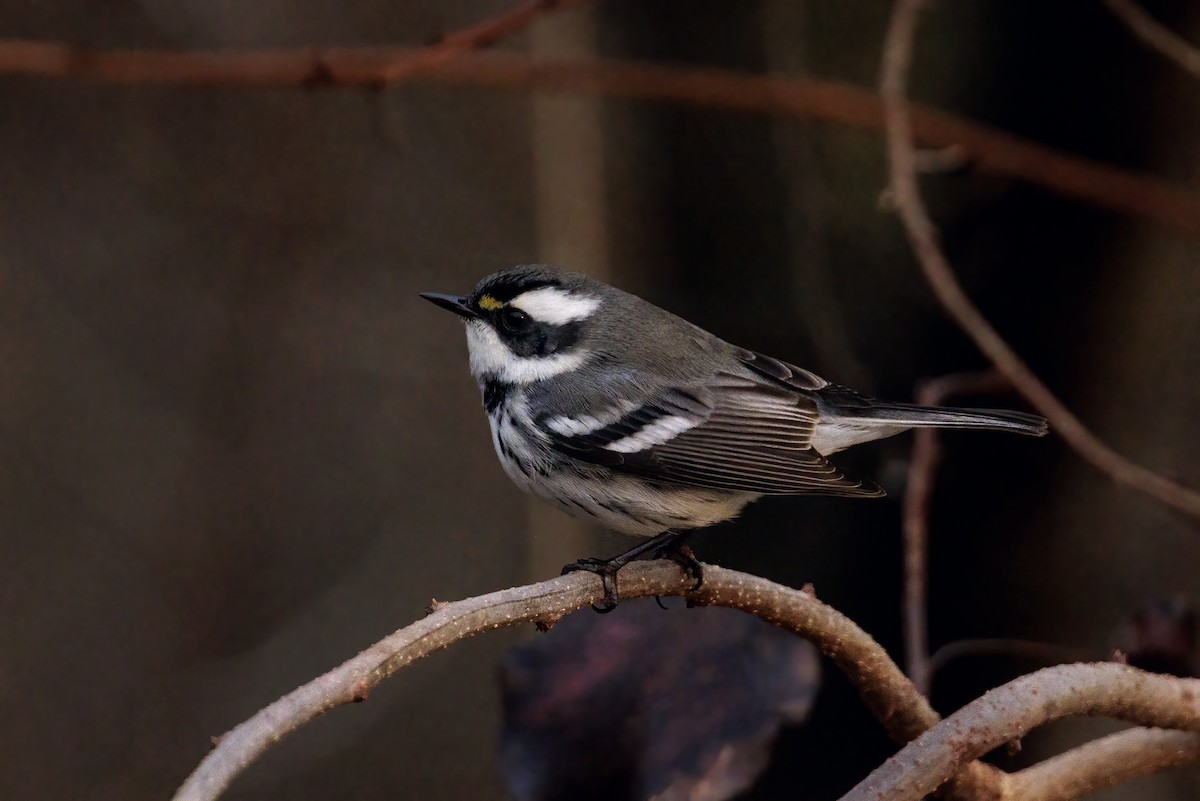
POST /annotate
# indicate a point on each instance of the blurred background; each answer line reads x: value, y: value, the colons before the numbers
x: 236, y: 448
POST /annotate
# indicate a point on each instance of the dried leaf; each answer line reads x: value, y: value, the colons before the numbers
x: 1161, y: 636
x: 678, y: 705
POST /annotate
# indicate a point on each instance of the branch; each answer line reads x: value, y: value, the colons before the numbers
x: 1103, y: 763
x: 987, y: 149
x: 918, y: 495
x: 903, y: 711
x: 482, y: 34
x: 1009, y: 712
x: 1044, y: 652
x: 884, y: 689
x: 897, y: 55
x: 921, y: 666
x: 1156, y: 36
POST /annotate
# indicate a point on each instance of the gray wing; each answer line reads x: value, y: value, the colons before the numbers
x: 731, y: 432
x: 779, y: 371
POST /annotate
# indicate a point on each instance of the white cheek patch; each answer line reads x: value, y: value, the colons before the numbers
x: 554, y: 306
x: 662, y: 430
x: 491, y: 357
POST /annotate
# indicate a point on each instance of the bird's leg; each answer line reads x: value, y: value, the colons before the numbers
x: 667, y: 545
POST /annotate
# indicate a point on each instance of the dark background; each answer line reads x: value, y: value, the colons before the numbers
x: 235, y: 447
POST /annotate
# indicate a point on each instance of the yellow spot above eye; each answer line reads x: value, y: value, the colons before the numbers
x: 488, y: 303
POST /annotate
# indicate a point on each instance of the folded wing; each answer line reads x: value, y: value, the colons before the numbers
x: 732, y: 433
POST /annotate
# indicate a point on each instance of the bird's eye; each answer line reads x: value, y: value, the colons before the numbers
x: 514, y: 321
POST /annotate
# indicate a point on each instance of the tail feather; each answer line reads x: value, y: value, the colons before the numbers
x: 910, y: 415
x: 847, y: 419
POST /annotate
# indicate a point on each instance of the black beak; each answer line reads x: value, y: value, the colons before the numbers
x: 455, y: 303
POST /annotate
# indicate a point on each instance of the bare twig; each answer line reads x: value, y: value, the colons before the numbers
x: 1103, y: 763
x: 481, y: 34
x: 890, y: 696
x: 885, y: 690
x: 918, y: 494
x: 1156, y: 36
x: 986, y: 149
x: 896, y: 58
x: 1047, y: 653
x: 1009, y: 712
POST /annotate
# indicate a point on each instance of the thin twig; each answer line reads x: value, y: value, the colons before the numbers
x: 897, y: 56
x: 918, y: 495
x: 1009, y: 712
x: 1156, y: 36
x: 986, y: 149
x: 481, y: 34
x: 1047, y: 653
x: 918, y: 491
x: 1103, y: 763
x: 903, y: 711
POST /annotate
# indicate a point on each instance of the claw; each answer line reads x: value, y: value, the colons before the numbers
x: 683, y: 556
x: 667, y: 545
x: 606, y: 569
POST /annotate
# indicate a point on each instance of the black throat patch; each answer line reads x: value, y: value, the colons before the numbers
x: 495, y: 392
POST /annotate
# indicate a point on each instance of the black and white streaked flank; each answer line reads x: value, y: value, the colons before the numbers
x: 617, y: 411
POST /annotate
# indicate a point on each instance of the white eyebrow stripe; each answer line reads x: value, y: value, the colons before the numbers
x: 661, y: 430
x: 555, y: 306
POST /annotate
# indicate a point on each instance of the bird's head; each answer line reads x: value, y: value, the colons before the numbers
x: 528, y: 323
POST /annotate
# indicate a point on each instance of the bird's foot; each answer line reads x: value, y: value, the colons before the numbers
x: 681, y: 554
x: 606, y: 569
x: 668, y: 545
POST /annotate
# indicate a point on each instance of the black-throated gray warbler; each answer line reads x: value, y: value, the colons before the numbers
x: 617, y: 411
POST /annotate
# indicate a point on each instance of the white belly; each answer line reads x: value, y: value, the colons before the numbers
x: 621, y: 503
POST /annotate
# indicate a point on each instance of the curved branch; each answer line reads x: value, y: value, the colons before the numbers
x: 918, y: 497
x: 883, y: 687
x: 1047, y: 653
x: 1103, y: 763
x: 1009, y: 712
x: 1156, y: 36
x: 986, y: 149
x: 897, y: 55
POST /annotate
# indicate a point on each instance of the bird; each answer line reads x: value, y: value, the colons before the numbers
x: 621, y: 413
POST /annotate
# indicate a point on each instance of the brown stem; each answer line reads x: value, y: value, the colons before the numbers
x: 891, y: 697
x: 918, y: 495
x: 903, y: 711
x: 918, y: 492
x: 987, y: 149
x: 897, y: 55
x: 481, y: 34
x: 1103, y: 763
x: 1156, y: 36
x: 1009, y: 712
x: 1047, y: 653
